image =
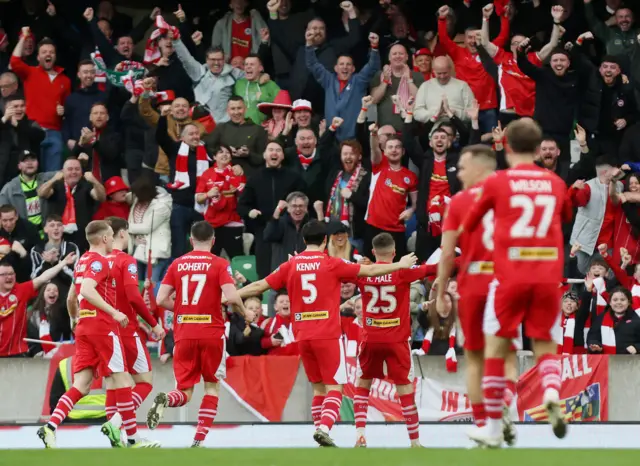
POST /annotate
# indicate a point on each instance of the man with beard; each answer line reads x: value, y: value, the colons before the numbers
x: 46, y: 89
x: 620, y: 39
x: 18, y: 135
x: 558, y: 96
x: 264, y: 189
x: 22, y: 191
x: 616, y: 109
x: 437, y: 184
x: 78, y: 105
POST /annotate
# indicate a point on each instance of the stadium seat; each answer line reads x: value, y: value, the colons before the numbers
x: 246, y: 265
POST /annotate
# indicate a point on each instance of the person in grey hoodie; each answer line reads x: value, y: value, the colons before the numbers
x: 222, y: 30
x: 212, y: 82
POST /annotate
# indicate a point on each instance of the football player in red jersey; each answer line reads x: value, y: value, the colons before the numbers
x: 529, y: 204
x: 475, y: 273
x: 198, y: 279
x: 124, y: 269
x: 14, y: 298
x: 98, y: 345
x: 386, y: 337
x: 313, y: 281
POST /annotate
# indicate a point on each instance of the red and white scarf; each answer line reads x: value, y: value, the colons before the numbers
x: 608, y: 334
x: 436, y: 214
x: 101, y: 76
x: 568, y: 334
x: 344, y: 206
x: 152, y: 52
x: 69, y: 213
x: 601, y: 296
x: 273, y: 127
x: 181, y: 179
x: 451, y: 361
x: 306, y: 160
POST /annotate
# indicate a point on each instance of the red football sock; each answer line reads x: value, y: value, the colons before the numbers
x: 550, y: 372
x: 410, y: 413
x: 206, y: 416
x: 140, y: 393
x: 493, y: 385
x: 316, y: 409
x: 331, y: 409
x: 360, y: 407
x: 479, y: 414
x: 127, y: 411
x: 509, y: 393
x: 110, y: 404
x: 64, y: 406
x: 177, y: 398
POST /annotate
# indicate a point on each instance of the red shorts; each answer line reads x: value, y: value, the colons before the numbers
x: 204, y: 358
x: 373, y: 356
x: 102, y: 353
x: 324, y: 361
x: 136, y: 354
x: 536, y: 306
x: 471, y: 311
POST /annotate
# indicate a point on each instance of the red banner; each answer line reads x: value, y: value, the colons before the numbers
x: 262, y: 383
x: 584, y: 393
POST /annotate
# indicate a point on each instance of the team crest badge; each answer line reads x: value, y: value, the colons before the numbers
x: 96, y: 266
x: 387, y: 182
x: 132, y: 269
x: 12, y: 298
x: 406, y: 179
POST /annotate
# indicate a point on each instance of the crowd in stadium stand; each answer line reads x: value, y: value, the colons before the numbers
x: 263, y: 115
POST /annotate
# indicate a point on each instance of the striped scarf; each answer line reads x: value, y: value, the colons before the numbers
x: 181, y: 179
x: 451, y: 362
x: 152, y: 52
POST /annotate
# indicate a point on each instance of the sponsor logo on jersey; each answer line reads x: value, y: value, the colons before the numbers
x: 383, y: 323
x: 132, y: 269
x: 314, y: 315
x: 480, y: 267
x: 96, y: 266
x: 395, y: 188
x: 194, y: 319
x: 87, y: 313
x: 533, y: 254
x: 5, y: 312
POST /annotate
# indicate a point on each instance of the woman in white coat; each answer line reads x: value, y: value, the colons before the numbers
x: 149, y: 228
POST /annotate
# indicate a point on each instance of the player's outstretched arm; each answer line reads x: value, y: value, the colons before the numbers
x: 375, y: 270
x: 89, y: 292
x: 233, y: 297
x: 165, y: 297
x: 255, y: 289
x: 447, y: 260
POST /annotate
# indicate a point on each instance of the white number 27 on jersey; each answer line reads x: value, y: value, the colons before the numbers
x: 200, y: 279
x: 523, y: 227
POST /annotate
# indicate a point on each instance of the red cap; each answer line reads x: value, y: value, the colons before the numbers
x: 115, y: 184
x: 4, y: 242
x: 165, y: 97
x: 423, y: 51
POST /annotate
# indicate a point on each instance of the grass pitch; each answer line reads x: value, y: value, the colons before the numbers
x: 319, y: 457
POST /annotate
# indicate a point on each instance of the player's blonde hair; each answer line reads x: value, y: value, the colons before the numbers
x: 95, y: 230
x: 483, y: 154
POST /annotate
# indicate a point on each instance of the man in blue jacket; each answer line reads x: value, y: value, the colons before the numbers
x: 343, y: 90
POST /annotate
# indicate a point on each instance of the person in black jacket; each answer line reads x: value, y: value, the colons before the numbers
x: 244, y: 335
x: 99, y: 147
x: 619, y: 315
x: 559, y: 92
x: 615, y: 110
x: 139, y: 141
x: 302, y: 84
x: 23, y: 236
x: 183, y: 193
x: 18, y: 135
x: 284, y: 230
x: 264, y: 189
x: 437, y: 165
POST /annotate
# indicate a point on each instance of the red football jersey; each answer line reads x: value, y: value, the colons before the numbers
x: 388, y: 195
x: 313, y: 282
x: 476, y: 262
x: 13, y: 318
x: 529, y: 204
x: 198, y: 277
x: 385, y: 304
x: 94, y: 321
x: 518, y: 91
x: 240, y: 38
x: 125, y: 272
x: 223, y: 209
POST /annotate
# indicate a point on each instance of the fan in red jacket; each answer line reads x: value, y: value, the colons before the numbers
x: 278, y: 335
x: 467, y: 61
